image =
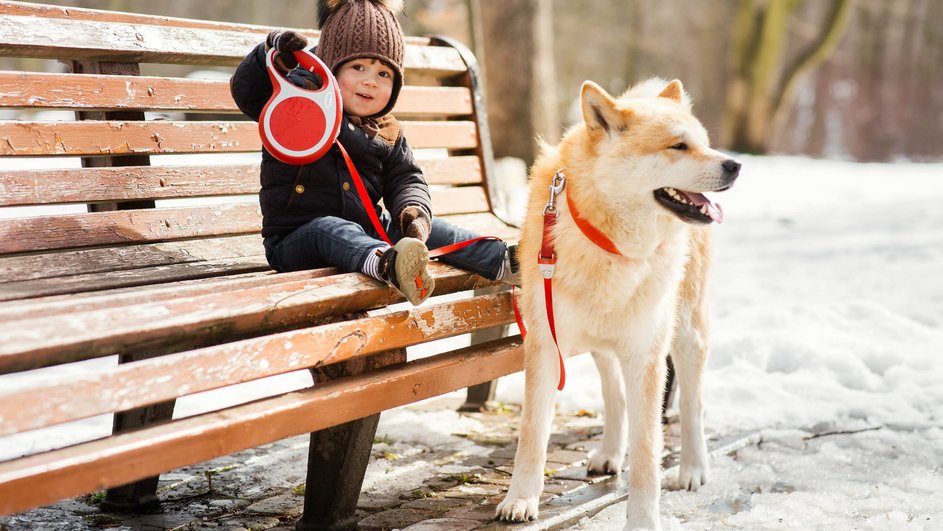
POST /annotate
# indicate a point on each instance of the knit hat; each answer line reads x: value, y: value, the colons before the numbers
x: 352, y: 29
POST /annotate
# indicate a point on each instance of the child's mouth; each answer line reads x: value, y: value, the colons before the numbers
x: 365, y: 96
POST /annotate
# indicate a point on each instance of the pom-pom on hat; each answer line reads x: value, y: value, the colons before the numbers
x: 351, y: 29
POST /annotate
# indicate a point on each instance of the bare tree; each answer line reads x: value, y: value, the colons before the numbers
x: 761, y: 89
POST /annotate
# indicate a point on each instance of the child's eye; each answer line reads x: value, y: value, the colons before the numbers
x: 385, y: 74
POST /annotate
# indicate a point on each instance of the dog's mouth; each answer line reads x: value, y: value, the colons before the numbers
x: 691, y: 207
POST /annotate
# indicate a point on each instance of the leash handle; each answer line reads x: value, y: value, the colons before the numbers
x: 297, y: 125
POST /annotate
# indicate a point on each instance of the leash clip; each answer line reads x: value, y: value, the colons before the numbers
x: 559, y: 181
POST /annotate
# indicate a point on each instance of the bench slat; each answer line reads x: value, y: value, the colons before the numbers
x: 127, y: 227
x: 133, y: 385
x: 44, y: 478
x: 68, y: 231
x: 61, y: 38
x: 128, y: 183
x: 192, y: 322
x: 107, y: 138
x: 99, y: 261
x: 96, y: 92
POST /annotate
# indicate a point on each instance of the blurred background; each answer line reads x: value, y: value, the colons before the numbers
x: 850, y: 79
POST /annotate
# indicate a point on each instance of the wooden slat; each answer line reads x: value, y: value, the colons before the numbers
x: 459, y: 200
x: 61, y: 38
x: 463, y: 169
x: 193, y: 322
x: 437, y: 101
x: 44, y: 478
x: 103, y: 260
x: 126, y: 183
x: 133, y: 385
x: 451, y: 135
x: 94, y: 138
x: 70, y: 231
x: 87, y: 92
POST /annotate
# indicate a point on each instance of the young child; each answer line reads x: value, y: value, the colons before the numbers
x: 312, y: 215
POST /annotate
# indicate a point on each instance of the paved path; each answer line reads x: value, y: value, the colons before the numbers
x: 262, y: 488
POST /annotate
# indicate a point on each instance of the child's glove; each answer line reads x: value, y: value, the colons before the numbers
x: 285, y: 42
x: 415, y: 223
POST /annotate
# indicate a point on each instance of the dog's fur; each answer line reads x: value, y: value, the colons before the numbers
x: 629, y: 310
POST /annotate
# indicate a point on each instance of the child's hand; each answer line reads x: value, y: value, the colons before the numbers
x: 286, y: 42
x: 415, y: 223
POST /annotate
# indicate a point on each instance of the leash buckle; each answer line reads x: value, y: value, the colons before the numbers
x: 556, y: 187
x: 546, y: 265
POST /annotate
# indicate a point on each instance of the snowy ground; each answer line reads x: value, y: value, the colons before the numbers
x: 828, y: 318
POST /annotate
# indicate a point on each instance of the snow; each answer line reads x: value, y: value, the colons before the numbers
x: 827, y: 341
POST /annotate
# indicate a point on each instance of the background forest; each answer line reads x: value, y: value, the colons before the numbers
x: 852, y: 79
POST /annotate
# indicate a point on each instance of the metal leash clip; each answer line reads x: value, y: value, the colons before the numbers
x: 559, y: 181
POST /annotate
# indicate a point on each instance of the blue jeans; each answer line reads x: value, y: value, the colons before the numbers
x: 336, y: 242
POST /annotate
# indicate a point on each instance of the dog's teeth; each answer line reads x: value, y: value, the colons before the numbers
x: 704, y: 209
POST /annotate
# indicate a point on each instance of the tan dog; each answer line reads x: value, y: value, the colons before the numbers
x: 635, y: 171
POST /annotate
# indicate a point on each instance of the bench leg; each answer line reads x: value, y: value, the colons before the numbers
x: 338, y: 456
x: 478, y: 396
x: 140, y: 496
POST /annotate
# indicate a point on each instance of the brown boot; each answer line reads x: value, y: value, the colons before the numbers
x: 404, y: 266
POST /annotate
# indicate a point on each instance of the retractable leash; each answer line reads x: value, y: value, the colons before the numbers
x: 299, y: 126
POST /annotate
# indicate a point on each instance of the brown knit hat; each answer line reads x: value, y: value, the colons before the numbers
x: 351, y: 29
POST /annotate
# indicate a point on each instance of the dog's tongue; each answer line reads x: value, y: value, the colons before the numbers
x: 715, y: 212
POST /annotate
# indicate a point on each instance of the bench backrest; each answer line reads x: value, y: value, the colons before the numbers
x: 171, y: 159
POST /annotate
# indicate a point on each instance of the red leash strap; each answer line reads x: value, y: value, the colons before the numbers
x: 547, y: 261
x: 364, y: 196
x: 371, y: 212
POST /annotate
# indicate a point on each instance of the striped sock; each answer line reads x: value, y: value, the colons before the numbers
x: 372, y: 261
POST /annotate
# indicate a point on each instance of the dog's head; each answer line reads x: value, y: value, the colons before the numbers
x: 647, y: 145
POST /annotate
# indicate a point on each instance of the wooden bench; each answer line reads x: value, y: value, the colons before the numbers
x: 132, y: 274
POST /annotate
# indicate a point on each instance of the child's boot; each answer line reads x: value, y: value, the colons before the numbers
x: 511, y: 270
x: 404, y: 266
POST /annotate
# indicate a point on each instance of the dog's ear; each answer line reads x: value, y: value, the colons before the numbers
x: 600, y: 111
x: 674, y: 91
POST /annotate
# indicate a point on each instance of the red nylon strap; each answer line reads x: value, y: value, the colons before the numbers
x: 371, y: 212
x: 364, y: 196
x: 589, y: 230
x: 547, y: 261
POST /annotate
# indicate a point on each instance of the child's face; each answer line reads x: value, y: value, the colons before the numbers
x: 366, y: 86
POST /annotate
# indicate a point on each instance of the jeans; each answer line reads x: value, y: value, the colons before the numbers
x: 336, y: 242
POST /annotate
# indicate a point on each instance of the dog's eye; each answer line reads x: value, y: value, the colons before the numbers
x: 680, y: 146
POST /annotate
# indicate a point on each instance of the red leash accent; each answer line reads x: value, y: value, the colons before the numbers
x: 371, y: 212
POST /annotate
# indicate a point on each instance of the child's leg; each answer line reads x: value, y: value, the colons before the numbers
x: 323, y: 242
x: 485, y: 258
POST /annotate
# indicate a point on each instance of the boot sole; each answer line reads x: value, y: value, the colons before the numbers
x: 412, y: 273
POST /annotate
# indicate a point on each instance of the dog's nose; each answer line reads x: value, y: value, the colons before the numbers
x: 731, y: 166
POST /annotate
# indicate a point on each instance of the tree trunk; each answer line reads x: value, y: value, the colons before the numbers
x: 519, y: 74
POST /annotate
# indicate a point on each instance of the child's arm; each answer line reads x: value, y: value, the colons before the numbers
x: 250, y: 85
x: 405, y: 192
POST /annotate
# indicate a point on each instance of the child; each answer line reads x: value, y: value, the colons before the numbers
x: 312, y: 215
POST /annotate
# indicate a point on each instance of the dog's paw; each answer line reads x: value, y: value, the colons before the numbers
x: 601, y: 463
x: 517, y: 509
x: 692, y: 476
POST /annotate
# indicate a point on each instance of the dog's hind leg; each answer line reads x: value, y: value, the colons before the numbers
x: 644, y: 375
x: 609, y: 458
x: 689, y: 354
x: 527, y: 481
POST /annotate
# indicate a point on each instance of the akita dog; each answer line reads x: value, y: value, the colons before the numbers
x: 616, y: 231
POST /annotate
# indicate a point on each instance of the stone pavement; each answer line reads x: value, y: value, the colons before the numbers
x: 262, y: 488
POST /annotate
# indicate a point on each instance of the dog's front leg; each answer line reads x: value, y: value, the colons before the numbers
x: 644, y: 378
x: 527, y: 481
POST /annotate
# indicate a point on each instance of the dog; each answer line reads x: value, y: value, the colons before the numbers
x: 629, y: 233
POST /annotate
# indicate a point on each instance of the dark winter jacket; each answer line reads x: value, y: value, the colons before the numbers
x: 291, y: 195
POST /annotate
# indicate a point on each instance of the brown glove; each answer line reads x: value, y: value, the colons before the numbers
x: 415, y: 223
x: 285, y: 42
